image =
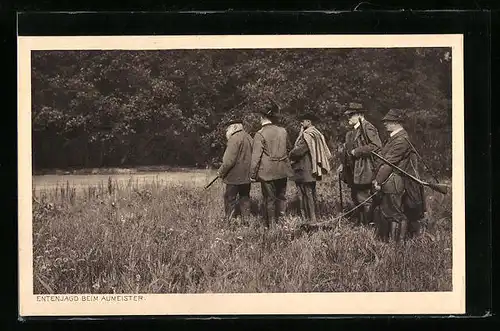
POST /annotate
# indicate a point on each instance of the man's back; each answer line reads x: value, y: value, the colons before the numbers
x: 237, y: 158
x: 270, y: 157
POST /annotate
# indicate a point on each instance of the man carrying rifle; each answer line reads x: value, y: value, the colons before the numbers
x: 270, y: 165
x: 401, y: 198
x: 357, y: 165
x: 234, y: 170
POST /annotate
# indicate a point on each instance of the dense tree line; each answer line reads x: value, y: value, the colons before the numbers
x: 130, y: 108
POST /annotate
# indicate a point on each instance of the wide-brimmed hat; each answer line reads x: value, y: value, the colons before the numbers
x: 233, y: 121
x: 271, y: 110
x: 394, y: 115
x: 308, y: 116
x: 354, y: 108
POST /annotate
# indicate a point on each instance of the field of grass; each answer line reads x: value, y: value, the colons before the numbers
x: 167, y: 236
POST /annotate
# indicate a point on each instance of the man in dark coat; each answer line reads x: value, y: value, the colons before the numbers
x: 398, y: 194
x: 235, y: 169
x: 357, y: 163
x: 271, y: 166
x: 310, y: 161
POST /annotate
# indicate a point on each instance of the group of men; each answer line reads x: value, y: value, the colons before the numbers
x: 376, y: 188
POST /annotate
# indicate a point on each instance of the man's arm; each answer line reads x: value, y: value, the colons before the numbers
x: 257, y: 150
x: 289, y: 144
x: 230, y: 156
x: 300, y: 150
x: 374, y: 143
x: 394, y: 155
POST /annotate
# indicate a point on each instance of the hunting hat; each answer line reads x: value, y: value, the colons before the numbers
x: 233, y: 121
x: 308, y: 116
x: 354, y: 108
x: 394, y: 115
x: 270, y: 111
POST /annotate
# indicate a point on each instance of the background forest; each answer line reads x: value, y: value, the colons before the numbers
x: 136, y: 108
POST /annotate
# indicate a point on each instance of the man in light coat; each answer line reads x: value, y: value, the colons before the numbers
x: 235, y: 169
x: 270, y: 165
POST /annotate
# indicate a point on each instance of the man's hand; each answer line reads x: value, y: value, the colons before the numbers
x: 376, y: 186
x: 340, y: 168
x: 253, y: 180
x: 353, y: 153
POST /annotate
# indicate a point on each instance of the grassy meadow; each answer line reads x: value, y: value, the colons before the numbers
x: 167, y: 236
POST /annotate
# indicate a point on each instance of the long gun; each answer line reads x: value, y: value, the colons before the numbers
x: 422, y: 159
x: 213, y: 181
x: 441, y: 188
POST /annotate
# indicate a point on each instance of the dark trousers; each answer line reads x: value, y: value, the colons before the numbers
x: 393, y: 217
x: 359, y: 193
x: 307, y: 200
x: 414, y: 216
x: 274, y: 200
x: 237, y: 195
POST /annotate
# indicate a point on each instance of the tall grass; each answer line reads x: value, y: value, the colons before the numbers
x: 170, y: 238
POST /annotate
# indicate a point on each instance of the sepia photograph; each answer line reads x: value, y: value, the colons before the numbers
x: 241, y: 175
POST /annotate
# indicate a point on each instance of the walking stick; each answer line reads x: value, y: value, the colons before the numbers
x: 340, y: 193
x: 213, y: 181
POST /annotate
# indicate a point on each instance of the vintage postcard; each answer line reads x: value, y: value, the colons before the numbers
x: 256, y: 174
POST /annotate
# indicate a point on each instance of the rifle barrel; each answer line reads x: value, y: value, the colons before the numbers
x: 422, y: 159
x: 441, y: 188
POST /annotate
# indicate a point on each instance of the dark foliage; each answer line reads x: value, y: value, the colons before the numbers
x: 131, y: 108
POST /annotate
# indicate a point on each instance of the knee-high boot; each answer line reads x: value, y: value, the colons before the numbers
x: 245, y: 209
x: 403, y: 230
x: 394, y: 231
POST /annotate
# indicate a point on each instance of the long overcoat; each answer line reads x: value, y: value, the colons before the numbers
x: 235, y: 168
x: 398, y: 151
x: 358, y: 168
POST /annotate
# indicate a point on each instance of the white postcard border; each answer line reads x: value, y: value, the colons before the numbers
x: 242, y: 304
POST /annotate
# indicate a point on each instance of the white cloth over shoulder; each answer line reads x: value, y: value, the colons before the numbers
x: 320, y: 153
